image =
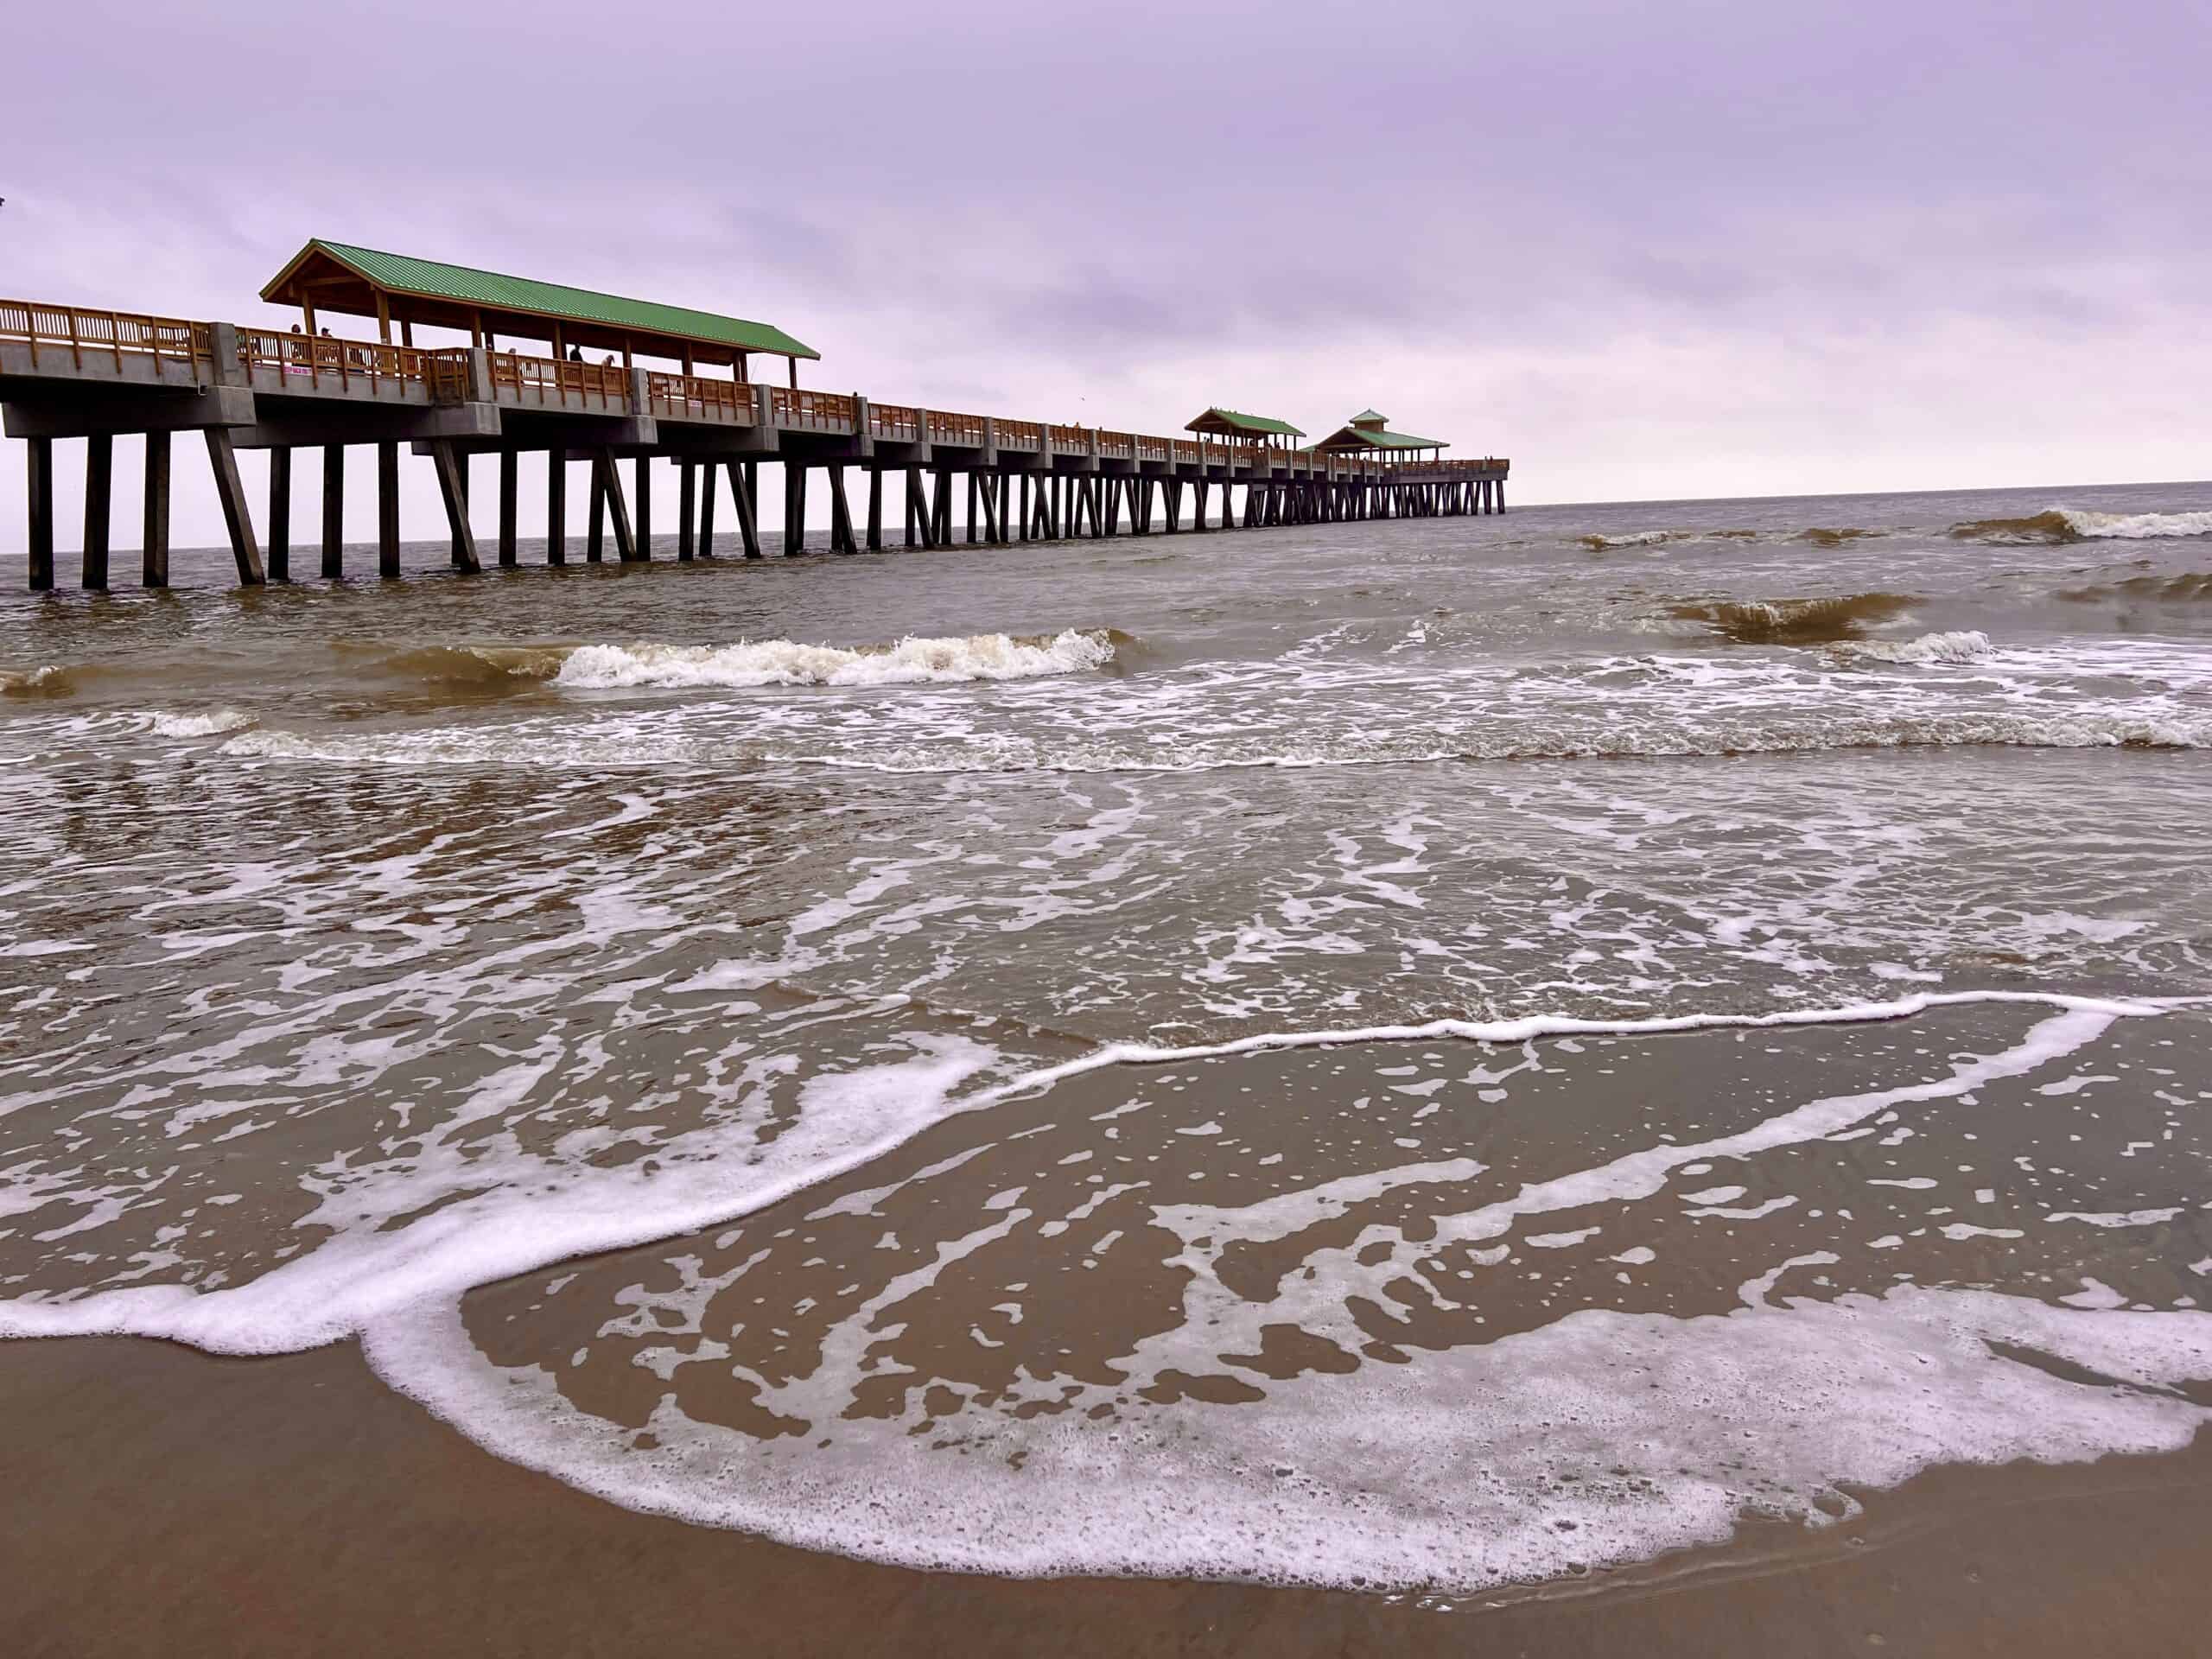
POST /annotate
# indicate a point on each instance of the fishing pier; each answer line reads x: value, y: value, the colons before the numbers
x: 77, y: 373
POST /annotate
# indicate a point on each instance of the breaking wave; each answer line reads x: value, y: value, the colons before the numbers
x: 492, y: 667
x: 212, y: 723
x: 1820, y: 537
x: 1795, y: 621
x: 1634, y: 538
x: 2057, y: 524
x: 1958, y: 646
x: 784, y: 662
x: 47, y: 680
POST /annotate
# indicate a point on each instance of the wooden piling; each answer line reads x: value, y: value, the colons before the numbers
x: 280, y: 513
x: 238, y: 516
x: 99, y: 505
x: 154, y: 566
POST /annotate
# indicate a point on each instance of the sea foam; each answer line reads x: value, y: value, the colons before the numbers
x: 784, y: 662
x: 1599, y: 1438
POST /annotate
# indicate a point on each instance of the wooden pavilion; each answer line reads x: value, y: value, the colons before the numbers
x: 1252, y: 428
x: 1369, y: 433
x: 336, y: 277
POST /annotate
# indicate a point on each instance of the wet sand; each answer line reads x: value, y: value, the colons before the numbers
x: 168, y: 1503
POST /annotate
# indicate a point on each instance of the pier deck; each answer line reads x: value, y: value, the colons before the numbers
x: 69, y: 372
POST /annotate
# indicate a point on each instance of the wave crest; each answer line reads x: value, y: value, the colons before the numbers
x: 1793, y: 621
x: 2061, y: 524
x: 1958, y: 646
x: 784, y: 662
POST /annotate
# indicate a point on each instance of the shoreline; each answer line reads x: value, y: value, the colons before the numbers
x: 296, y: 1505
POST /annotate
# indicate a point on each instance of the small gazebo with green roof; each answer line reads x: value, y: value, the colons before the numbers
x: 1369, y: 433
x: 338, y: 277
x: 1253, y: 429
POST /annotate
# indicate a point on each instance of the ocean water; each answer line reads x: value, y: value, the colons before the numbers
x: 1417, y: 1055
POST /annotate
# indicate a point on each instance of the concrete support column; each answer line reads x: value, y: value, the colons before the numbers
x: 687, y: 506
x: 99, y: 503
x: 618, y: 511
x: 645, y: 541
x: 39, y: 499
x: 333, y: 510
x: 744, y: 499
x: 707, y: 510
x: 874, y: 509
x: 280, y: 513
x: 794, y: 509
x: 510, y: 480
x: 557, y: 505
x: 154, y: 568
x: 595, y: 521
x: 453, y: 471
x: 238, y: 516
x: 388, y: 510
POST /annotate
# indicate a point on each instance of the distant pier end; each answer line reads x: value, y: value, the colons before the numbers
x: 74, y: 373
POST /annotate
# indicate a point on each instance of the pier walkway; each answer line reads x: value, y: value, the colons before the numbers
x: 76, y: 373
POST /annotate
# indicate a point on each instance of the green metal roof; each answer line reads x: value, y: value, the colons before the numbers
x: 1258, y: 424
x: 433, y: 280
x: 1369, y: 414
x: 1350, y: 437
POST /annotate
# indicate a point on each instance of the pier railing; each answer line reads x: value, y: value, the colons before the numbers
x: 317, y: 360
x: 1068, y: 437
x: 80, y: 331
x: 963, y: 431
x: 553, y: 380
x: 894, y: 421
x: 727, y: 400
x: 814, y: 411
x: 1021, y: 435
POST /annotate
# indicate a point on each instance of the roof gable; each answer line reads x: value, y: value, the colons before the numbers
x: 1216, y: 418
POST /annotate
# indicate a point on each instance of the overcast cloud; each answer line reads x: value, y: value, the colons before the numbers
x: 1701, y: 249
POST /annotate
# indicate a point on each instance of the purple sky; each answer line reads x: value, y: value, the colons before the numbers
x: 1705, y: 249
